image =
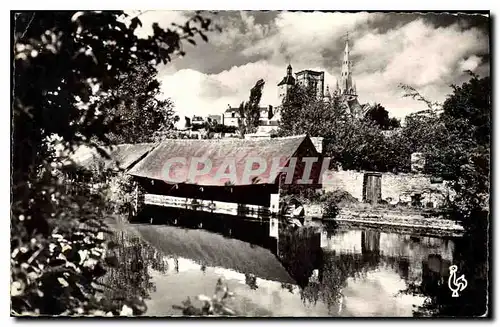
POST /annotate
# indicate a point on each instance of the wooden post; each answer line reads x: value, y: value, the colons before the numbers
x: 136, y: 200
x: 275, y: 203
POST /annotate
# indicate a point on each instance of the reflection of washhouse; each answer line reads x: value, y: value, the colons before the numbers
x: 296, y: 250
x: 248, y: 230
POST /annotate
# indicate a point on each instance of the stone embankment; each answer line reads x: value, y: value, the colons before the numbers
x: 389, y: 218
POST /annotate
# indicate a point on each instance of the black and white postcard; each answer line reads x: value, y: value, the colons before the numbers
x: 250, y: 164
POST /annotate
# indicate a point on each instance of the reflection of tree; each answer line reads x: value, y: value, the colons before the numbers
x: 333, y: 278
x: 300, y: 252
x: 131, y: 277
x: 470, y: 255
x: 287, y: 286
x: 251, y: 280
x: 337, y: 268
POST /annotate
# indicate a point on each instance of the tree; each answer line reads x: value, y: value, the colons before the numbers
x: 64, y: 64
x: 458, y: 144
x: 380, y: 116
x: 250, y: 111
x: 466, y: 154
x: 139, y: 115
x: 354, y: 144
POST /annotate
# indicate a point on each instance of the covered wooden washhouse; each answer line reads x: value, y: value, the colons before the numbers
x: 170, y: 184
x: 120, y: 157
x: 86, y: 160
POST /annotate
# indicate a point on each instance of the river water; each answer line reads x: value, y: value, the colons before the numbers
x: 322, y: 271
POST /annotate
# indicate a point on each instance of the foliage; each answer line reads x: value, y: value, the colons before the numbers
x: 131, y: 279
x: 250, y: 111
x: 120, y: 194
x: 457, y: 143
x: 380, y: 116
x: 338, y: 197
x: 211, y: 306
x: 135, y: 108
x: 304, y: 113
x: 53, y: 269
x: 467, y: 153
x: 64, y: 64
x: 355, y: 144
x: 223, y: 129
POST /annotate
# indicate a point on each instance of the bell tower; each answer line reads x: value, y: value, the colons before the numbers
x: 346, y: 86
x: 286, y: 84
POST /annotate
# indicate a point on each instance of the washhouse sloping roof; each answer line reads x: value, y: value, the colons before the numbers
x: 121, y: 156
x: 214, y: 250
x: 220, y: 153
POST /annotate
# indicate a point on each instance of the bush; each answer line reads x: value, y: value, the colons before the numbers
x: 120, y: 194
x: 338, y: 197
x: 331, y: 201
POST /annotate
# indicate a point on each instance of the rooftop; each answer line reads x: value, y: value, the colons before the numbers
x: 311, y: 72
x: 287, y: 80
x: 217, y: 151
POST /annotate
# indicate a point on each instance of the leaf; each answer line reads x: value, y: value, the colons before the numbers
x: 63, y: 282
x: 16, y: 288
x: 191, y: 41
x: 112, y: 261
x: 203, y: 37
x: 135, y: 22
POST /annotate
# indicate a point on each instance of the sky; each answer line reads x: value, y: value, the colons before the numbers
x: 427, y: 51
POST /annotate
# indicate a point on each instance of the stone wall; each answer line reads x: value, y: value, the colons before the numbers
x: 396, y: 188
x: 346, y: 180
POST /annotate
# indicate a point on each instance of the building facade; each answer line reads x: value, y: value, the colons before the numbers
x: 231, y: 117
x: 312, y: 79
x: 286, y: 84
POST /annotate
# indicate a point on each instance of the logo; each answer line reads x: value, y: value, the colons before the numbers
x: 456, y: 284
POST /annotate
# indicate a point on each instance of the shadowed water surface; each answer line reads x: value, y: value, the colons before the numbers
x: 306, y: 272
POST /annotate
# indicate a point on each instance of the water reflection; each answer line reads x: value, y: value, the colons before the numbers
x: 309, y: 271
x: 131, y: 277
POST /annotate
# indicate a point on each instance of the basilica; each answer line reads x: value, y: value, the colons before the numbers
x: 345, y: 89
x: 345, y: 92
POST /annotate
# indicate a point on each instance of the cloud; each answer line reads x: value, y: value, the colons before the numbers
x: 471, y: 63
x: 378, y: 295
x: 202, y: 94
x: 303, y: 37
x: 164, y: 18
x: 385, y: 54
x: 240, y: 30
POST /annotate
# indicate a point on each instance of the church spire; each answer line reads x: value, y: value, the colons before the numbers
x: 346, y: 83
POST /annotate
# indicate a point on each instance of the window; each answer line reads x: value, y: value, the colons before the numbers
x: 232, y: 115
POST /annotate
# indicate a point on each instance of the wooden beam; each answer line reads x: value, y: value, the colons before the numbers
x: 220, y: 207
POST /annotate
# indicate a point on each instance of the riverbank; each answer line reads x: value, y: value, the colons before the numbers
x: 410, y: 219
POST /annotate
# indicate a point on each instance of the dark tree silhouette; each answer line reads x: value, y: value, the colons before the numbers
x: 65, y: 63
x: 380, y: 116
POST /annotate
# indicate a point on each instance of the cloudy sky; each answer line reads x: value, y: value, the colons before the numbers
x: 427, y: 51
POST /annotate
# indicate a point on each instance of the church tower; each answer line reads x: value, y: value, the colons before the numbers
x: 286, y: 84
x: 346, y: 86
